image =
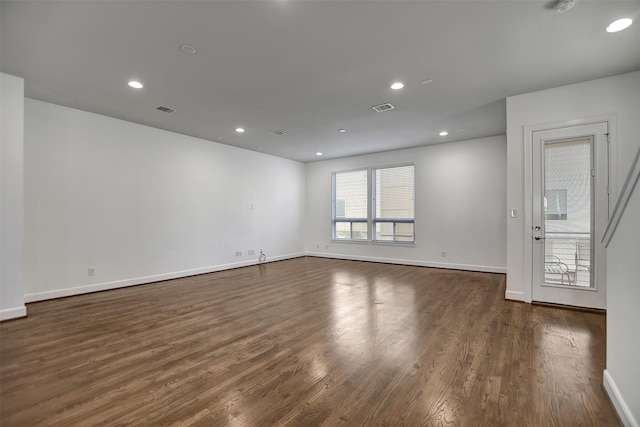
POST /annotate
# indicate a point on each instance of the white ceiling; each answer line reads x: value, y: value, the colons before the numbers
x: 311, y: 67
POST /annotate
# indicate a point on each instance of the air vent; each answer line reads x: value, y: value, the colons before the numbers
x: 278, y: 132
x: 383, y: 107
x: 165, y: 109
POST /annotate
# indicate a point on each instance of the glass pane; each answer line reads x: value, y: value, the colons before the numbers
x: 351, y: 194
x: 384, y: 231
x: 359, y: 230
x: 395, y: 192
x: 343, y: 230
x: 404, y: 232
x: 568, y: 212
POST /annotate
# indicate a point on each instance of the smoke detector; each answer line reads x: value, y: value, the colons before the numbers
x: 278, y: 132
x: 561, y: 6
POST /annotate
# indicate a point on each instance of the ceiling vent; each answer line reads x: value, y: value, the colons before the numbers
x: 562, y: 6
x: 165, y: 109
x: 383, y: 107
x: 278, y: 132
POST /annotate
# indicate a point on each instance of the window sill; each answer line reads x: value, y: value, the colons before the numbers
x: 357, y: 242
x: 375, y: 243
x: 385, y: 243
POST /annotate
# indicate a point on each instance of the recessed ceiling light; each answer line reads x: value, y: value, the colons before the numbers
x: 136, y: 85
x: 189, y: 50
x: 443, y: 133
x: 342, y: 130
x: 397, y: 85
x: 619, y: 25
x: 318, y: 154
x: 239, y: 130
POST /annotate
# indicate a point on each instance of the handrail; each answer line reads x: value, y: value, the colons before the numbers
x: 623, y: 199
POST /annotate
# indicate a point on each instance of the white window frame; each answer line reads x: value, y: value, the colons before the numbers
x: 371, y: 219
x: 335, y: 220
x: 375, y: 220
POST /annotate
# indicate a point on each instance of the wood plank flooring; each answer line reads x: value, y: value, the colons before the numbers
x: 305, y: 342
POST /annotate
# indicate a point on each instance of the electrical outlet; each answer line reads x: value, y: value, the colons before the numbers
x: 91, y: 271
x: 317, y: 245
x: 443, y: 254
x: 326, y: 246
x: 238, y: 253
x: 251, y: 252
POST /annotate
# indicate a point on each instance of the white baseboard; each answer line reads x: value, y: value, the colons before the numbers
x: 515, y: 296
x: 13, y: 312
x: 420, y: 263
x: 85, y: 289
x: 618, y: 402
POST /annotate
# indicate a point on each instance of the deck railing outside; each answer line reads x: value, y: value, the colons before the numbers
x: 572, y: 250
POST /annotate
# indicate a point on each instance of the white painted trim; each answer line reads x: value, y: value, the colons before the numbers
x: 419, y: 263
x: 84, y: 289
x: 13, y: 313
x: 618, y: 402
x: 515, y: 296
x: 528, y: 130
x: 527, y: 254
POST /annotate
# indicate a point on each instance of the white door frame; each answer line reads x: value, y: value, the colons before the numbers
x: 527, y: 273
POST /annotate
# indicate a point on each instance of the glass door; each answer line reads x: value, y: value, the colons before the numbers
x: 570, y: 209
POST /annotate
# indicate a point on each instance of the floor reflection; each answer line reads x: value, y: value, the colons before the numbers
x: 373, y: 319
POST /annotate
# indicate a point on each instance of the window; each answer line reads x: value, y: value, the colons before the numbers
x: 394, y: 201
x: 350, y: 205
x: 391, y: 193
x: 555, y: 204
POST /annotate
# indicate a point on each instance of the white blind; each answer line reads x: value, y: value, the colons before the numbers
x: 568, y: 186
x: 395, y: 192
x: 351, y: 194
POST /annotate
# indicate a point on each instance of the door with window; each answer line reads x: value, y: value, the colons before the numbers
x: 570, y: 212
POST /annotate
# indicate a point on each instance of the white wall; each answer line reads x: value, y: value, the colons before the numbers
x: 139, y: 204
x: 622, y: 376
x: 617, y: 96
x: 11, y: 197
x: 460, y: 206
x: 613, y: 96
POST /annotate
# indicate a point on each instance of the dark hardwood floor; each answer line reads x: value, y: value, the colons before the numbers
x: 305, y: 342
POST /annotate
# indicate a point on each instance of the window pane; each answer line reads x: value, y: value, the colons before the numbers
x: 359, y: 230
x: 568, y: 211
x: 395, y: 192
x: 351, y: 194
x: 343, y: 230
x: 404, y: 232
x: 384, y: 231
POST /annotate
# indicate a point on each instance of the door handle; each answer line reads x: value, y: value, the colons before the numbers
x: 538, y: 238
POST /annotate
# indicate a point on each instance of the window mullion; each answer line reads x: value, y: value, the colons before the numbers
x: 370, y: 203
